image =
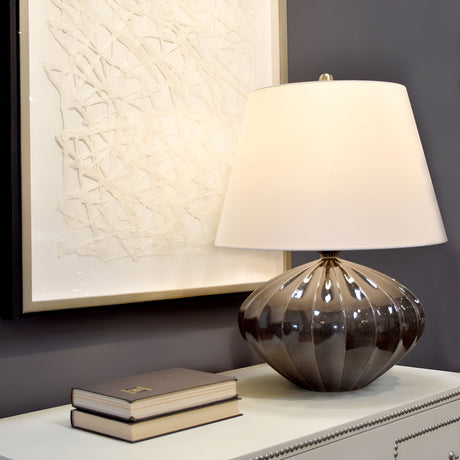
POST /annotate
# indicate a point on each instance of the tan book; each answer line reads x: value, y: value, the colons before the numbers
x: 157, y: 426
x: 151, y: 394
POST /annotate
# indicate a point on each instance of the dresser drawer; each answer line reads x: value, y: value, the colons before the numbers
x: 432, y: 434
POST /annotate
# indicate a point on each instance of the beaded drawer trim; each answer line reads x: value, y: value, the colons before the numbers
x: 278, y: 453
x: 426, y: 430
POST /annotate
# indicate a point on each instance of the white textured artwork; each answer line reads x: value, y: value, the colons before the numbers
x: 151, y: 98
x: 130, y: 118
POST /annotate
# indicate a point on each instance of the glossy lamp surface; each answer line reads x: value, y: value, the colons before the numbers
x: 330, y: 166
x: 331, y: 325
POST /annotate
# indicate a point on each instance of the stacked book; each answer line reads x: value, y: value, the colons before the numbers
x: 147, y: 405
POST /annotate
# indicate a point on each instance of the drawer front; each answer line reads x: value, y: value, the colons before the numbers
x: 429, y: 435
x: 437, y: 441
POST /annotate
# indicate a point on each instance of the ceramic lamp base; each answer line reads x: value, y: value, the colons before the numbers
x: 331, y: 325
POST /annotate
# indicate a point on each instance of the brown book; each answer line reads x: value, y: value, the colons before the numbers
x: 157, y: 426
x: 143, y: 396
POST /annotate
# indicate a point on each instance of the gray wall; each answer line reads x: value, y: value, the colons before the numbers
x: 44, y: 355
x: 414, y: 42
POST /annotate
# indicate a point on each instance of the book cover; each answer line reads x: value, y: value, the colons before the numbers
x: 156, y: 426
x: 146, y: 395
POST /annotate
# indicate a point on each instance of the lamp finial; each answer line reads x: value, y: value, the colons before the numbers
x: 326, y: 77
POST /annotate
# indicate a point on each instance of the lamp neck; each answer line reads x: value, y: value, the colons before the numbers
x: 329, y: 254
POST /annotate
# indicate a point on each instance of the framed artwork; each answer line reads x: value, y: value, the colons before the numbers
x: 129, y: 118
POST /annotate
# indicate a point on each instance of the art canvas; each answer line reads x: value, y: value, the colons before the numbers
x: 130, y: 118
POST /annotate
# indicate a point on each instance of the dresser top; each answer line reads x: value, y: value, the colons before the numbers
x: 274, y: 410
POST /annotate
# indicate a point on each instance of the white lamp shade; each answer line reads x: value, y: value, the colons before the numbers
x: 330, y: 165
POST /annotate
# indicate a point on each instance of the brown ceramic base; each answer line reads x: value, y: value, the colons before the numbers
x: 331, y: 325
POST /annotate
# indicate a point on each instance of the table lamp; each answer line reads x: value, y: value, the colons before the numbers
x: 330, y: 165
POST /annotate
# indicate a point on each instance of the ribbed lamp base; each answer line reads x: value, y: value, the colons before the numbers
x: 331, y: 325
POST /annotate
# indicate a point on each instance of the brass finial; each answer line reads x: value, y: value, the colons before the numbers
x: 326, y: 77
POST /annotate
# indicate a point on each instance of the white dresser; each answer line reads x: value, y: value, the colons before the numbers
x: 406, y: 414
